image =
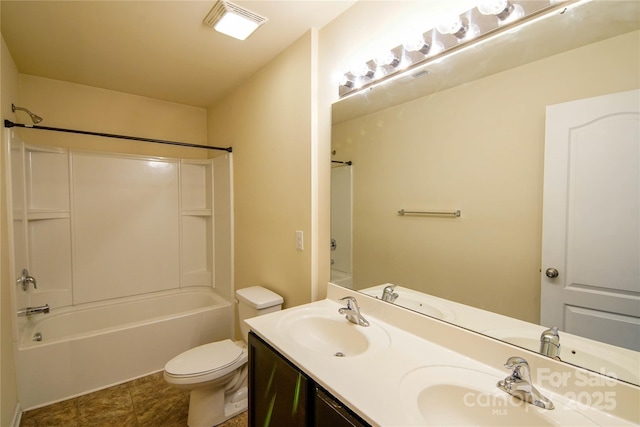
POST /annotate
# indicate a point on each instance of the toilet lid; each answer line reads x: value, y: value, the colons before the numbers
x: 205, y: 358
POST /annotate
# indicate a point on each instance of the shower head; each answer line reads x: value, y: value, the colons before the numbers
x: 34, y: 118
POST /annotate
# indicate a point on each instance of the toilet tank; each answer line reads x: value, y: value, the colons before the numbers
x: 255, y: 301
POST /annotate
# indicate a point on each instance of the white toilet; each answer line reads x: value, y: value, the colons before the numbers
x: 216, y: 373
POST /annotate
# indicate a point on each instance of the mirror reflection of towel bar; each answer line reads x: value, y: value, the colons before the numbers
x: 404, y: 212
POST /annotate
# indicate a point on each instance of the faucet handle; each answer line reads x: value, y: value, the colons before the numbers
x: 520, y: 367
x: 351, y: 302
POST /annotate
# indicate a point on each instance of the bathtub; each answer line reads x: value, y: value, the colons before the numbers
x: 97, y: 345
x: 341, y: 278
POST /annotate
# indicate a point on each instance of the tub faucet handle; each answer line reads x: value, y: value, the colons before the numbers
x: 25, y: 280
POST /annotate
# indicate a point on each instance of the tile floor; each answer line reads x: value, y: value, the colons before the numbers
x: 144, y: 402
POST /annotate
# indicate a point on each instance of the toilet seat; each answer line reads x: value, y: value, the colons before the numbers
x: 211, y: 360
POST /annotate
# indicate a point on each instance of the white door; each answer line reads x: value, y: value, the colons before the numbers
x: 591, y: 219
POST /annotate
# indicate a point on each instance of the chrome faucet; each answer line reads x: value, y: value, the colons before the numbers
x: 388, y: 294
x: 518, y: 384
x: 550, y: 343
x: 28, y: 311
x: 352, y: 312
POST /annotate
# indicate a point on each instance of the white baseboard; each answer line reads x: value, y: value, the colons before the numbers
x: 17, y: 416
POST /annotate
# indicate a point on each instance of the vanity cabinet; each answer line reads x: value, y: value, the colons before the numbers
x: 328, y: 411
x: 280, y: 394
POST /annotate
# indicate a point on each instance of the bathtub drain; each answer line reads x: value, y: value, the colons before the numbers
x: 37, y: 336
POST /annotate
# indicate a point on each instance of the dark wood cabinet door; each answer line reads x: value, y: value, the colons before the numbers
x: 278, y: 391
x: 328, y: 411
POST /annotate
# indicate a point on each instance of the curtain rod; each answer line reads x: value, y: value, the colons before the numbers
x: 10, y: 124
x: 348, y: 163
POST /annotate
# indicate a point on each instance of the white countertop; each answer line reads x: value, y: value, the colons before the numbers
x: 371, y: 384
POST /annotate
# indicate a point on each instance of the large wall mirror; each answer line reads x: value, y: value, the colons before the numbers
x: 468, y: 135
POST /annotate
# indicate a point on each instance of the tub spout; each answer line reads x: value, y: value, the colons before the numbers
x: 28, y: 311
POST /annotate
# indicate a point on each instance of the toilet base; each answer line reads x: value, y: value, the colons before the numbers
x: 207, y: 406
x: 232, y: 409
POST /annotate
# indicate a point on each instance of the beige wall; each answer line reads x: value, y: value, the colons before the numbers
x: 8, y: 391
x: 267, y: 121
x: 478, y: 147
x: 74, y: 106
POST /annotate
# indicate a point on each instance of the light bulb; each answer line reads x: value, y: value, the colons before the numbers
x: 493, y: 7
x: 417, y: 44
x: 452, y: 25
x: 386, y: 57
x: 458, y: 27
x: 504, y: 10
x: 362, y: 70
x: 346, y: 82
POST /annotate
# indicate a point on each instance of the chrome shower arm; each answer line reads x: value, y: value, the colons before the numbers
x: 34, y: 117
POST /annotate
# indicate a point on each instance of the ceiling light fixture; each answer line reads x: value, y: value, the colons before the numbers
x: 232, y: 20
x: 490, y: 19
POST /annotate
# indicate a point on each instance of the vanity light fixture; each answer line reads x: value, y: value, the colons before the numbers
x: 489, y: 19
x: 232, y: 20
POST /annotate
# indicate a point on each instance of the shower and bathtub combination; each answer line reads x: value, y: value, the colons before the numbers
x: 122, y: 249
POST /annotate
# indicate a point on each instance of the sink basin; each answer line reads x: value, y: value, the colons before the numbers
x: 603, y: 358
x: 455, y: 396
x: 329, y: 334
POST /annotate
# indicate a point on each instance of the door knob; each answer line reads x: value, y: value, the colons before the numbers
x: 551, y: 273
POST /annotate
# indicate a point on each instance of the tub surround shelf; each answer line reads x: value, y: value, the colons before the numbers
x: 43, y: 215
x: 374, y: 384
x: 197, y: 212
